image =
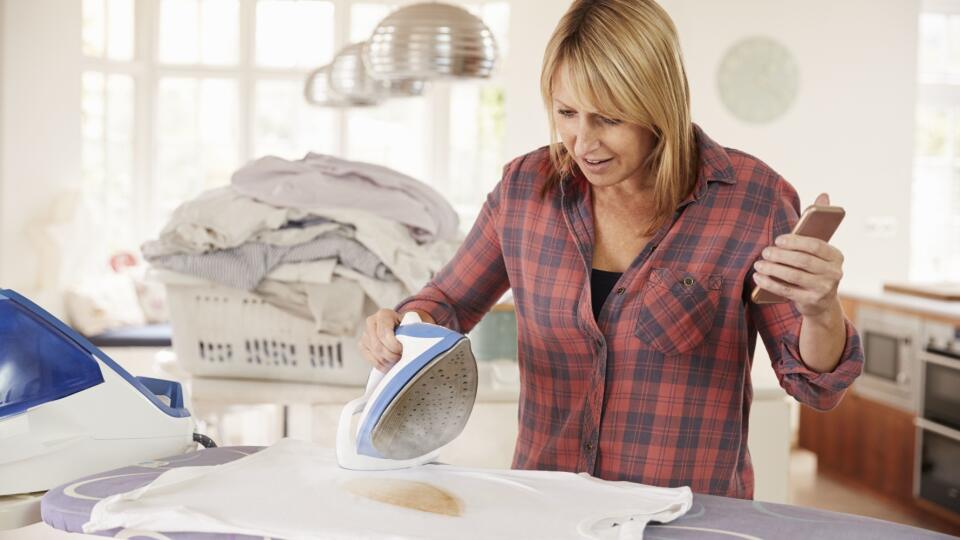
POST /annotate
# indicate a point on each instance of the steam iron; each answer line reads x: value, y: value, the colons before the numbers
x: 418, y: 406
x: 67, y: 410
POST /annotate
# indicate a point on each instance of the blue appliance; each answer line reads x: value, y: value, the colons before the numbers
x: 67, y: 410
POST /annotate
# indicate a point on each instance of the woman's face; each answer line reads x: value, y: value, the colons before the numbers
x: 607, y: 150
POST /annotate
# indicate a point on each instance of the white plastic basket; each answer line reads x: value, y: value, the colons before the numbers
x: 224, y: 332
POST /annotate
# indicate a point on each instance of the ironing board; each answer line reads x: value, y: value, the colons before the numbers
x: 68, y: 507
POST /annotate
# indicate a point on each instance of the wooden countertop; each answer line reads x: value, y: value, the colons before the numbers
x: 939, y: 310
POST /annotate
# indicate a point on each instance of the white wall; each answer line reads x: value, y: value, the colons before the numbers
x: 39, y: 128
x: 850, y: 131
x: 531, y: 23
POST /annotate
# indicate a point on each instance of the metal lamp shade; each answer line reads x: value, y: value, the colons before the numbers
x: 405, y: 87
x: 430, y: 41
x: 349, y: 78
x: 318, y: 92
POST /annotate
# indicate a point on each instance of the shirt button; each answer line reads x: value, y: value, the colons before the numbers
x: 621, y: 290
x: 588, y: 446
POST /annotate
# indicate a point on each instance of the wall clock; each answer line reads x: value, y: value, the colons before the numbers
x: 758, y: 79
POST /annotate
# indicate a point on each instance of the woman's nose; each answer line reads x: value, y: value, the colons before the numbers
x: 587, y: 139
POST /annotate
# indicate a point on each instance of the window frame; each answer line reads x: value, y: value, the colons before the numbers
x: 147, y: 71
x: 933, y: 94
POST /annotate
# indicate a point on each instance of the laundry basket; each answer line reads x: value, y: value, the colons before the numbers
x: 220, y: 331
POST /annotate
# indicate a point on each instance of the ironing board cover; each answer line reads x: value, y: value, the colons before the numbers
x: 68, y: 507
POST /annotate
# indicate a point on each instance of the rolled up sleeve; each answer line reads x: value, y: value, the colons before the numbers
x: 779, y: 327
x: 822, y: 391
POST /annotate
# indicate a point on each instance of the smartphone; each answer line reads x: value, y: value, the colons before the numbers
x: 817, y: 221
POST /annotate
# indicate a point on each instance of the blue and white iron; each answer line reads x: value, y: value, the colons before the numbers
x: 68, y: 410
x: 420, y: 404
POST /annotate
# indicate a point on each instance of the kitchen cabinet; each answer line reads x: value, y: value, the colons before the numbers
x: 871, y: 439
x: 863, y: 441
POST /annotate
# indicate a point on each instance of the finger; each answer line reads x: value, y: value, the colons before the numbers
x: 373, y: 335
x: 379, y: 363
x: 823, y: 199
x: 801, y: 260
x: 369, y: 337
x: 808, y: 244
x: 386, y: 363
x: 383, y: 366
x: 779, y: 288
x: 817, y: 287
x: 379, y: 348
x: 386, y: 332
x: 367, y: 355
x: 375, y: 352
x: 385, y: 354
x: 797, y: 295
x: 796, y: 278
x: 370, y: 326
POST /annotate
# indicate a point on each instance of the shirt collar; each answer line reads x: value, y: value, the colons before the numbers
x: 715, y: 166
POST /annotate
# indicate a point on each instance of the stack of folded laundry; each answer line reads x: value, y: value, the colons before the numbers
x: 316, y: 236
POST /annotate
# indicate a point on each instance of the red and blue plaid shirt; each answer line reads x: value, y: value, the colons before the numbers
x: 657, y: 390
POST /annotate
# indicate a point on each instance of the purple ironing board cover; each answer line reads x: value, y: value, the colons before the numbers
x: 68, y: 507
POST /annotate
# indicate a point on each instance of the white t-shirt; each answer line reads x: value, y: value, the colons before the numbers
x: 295, y: 490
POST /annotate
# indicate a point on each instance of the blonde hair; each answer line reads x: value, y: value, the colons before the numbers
x: 623, y: 58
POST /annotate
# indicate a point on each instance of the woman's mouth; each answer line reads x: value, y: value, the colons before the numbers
x: 596, y: 166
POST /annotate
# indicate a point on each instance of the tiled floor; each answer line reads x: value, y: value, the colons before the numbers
x: 807, y: 488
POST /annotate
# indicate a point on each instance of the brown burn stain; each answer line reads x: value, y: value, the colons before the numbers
x: 407, y: 494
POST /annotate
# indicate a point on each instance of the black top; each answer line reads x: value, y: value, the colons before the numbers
x: 601, y: 283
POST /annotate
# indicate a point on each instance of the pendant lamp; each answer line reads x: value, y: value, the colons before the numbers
x: 430, y: 41
x: 318, y: 92
x: 349, y: 77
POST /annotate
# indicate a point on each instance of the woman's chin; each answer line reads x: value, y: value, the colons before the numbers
x: 602, y: 180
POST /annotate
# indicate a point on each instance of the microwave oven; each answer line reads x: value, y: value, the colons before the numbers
x: 890, y: 347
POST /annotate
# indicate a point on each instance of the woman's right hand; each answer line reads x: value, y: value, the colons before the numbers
x: 379, y: 344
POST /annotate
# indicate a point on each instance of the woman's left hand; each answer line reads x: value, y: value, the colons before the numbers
x: 808, y: 270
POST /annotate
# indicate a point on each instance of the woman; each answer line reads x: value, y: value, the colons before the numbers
x: 632, y: 246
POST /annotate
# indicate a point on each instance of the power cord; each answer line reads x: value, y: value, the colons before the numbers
x: 204, y: 441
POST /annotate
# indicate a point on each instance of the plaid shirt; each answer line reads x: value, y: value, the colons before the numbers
x: 657, y: 390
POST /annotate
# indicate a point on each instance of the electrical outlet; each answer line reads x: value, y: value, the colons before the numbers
x: 881, y: 226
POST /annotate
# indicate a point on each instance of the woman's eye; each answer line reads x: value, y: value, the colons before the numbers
x: 566, y: 113
x: 610, y: 121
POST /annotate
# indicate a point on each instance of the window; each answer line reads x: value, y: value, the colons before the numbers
x: 178, y: 94
x: 936, y: 183
x: 107, y: 102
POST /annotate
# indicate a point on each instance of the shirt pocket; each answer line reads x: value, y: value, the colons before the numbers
x: 678, y: 309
